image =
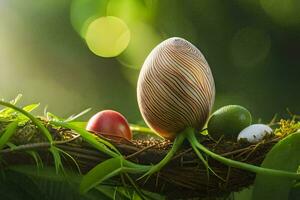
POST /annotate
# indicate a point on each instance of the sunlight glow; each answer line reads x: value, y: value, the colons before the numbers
x: 83, y: 12
x: 107, y: 36
x: 284, y: 12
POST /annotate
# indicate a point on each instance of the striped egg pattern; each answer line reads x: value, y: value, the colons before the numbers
x: 175, y: 88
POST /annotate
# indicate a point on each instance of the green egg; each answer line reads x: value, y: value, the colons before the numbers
x: 229, y: 121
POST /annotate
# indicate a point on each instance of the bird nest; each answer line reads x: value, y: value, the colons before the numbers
x: 184, y: 177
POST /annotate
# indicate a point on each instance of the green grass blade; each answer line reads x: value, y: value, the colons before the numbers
x: 8, y: 111
x: 57, y: 159
x: 31, y: 107
x: 37, y: 158
x: 71, y: 157
x: 138, y: 191
x: 72, y: 118
x: 10, y: 130
x: 157, y: 167
x: 17, y: 99
x: 141, y: 129
x: 81, y: 125
x: 42, y: 128
x: 11, y: 145
x: 22, y: 119
x: 200, y: 156
x: 51, y: 116
x: 98, y: 143
x: 100, y: 173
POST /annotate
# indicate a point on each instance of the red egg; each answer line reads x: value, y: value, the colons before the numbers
x: 110, y: 124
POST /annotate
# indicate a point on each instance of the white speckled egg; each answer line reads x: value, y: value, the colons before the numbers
x: 254, y: 133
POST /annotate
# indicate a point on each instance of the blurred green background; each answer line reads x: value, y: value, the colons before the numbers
x: 252, y: 47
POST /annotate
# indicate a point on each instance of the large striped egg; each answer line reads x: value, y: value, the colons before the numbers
x: 175, y: 88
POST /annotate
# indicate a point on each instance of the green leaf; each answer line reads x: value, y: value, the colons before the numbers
x: 17, y: 99
x: 74, y: 117
x: 80, y: 124
x: 8, y: 111
x: 100, y: 173
x: 176, y: 145
x: 100, y: 144
x: 70, y: 157
x: 41, y: 127
x: 284, y: 156
x: 57, y: 158
x: 36, y: 157
x: 141, y: 129
x: 31, y: 107
x: 10, y: 130
x: 21, y: 118
x: 51, y: 116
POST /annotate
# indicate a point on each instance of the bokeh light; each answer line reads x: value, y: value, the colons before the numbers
x: 257, y: 41
x: 107, y: 36
x: 144, y: 39
x: 128, y: 10
x: 285, y: 12
x: 83, y: 12
x: 249, y: 47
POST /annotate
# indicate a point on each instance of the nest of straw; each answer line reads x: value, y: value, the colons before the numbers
x: 184, y: 177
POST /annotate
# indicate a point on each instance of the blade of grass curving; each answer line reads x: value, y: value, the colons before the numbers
x: 103, y: 146
x: 136, y: 188
x: 104, y: 171
x: 98, y: 143
x: 57, y: 159
x: 283, y: 156
x: 44, y: 131
x: 22, y: 119
x: 31, y: 107
x: 140, y: 129
x: 200, y: 156
x: 100, y: 173
x: 11, y: 145
x: 81, y: 125
x: 38, y: 160
x: 42, y: 128
x: 74, y: 117
x: 131, y: 181
x: 8, y: 111
x: 176, y: 145
x: 245, y: 166
x: 115, y: 193
x: 8, y: 133
x: 45, y: 110
x: 125, y: 186
x: 71, y: 157
x: 51, y: 116
x: 17, y: 99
